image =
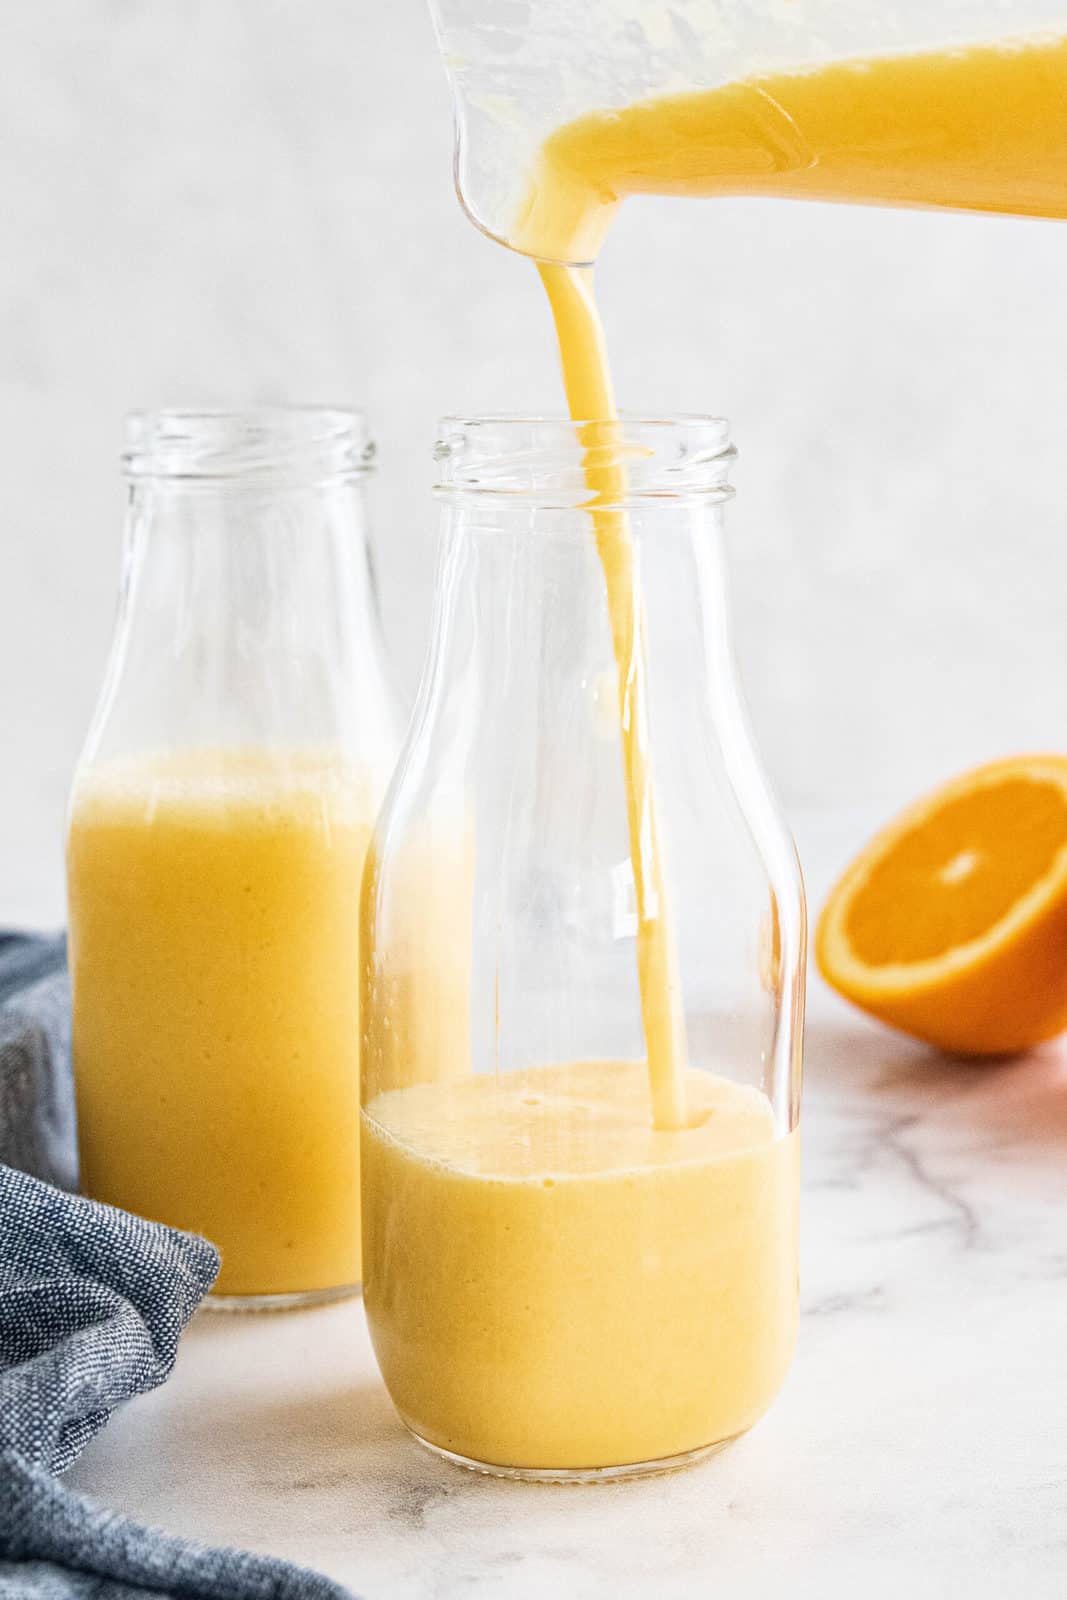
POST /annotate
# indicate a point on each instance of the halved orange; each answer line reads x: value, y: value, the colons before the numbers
x: 952, y: 924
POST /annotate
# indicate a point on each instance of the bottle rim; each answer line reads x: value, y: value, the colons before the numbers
x: 546, y: 461
x: 265, y: 444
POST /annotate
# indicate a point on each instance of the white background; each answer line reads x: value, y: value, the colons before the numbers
x: 247, y: 201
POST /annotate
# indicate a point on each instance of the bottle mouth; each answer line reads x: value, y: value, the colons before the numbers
x: 268, y: 444
x: 556, y: 463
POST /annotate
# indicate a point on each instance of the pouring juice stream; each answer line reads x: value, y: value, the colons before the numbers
x: 587, y: 379
x: 983, y: 129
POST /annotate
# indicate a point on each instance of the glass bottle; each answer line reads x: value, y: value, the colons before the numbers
x: 219, y: 821
x: 568, y: 1273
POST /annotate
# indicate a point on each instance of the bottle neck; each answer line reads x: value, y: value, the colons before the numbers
x: 521, y: 652
x: 247, y: 617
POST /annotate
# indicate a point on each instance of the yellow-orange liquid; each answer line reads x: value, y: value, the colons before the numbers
x: 214, y: 906
x: 587, y: 380
x: 552, y: 1283
x: 982, y: 128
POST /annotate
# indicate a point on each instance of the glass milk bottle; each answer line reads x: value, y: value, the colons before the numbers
x: 218, y: 826
x: 582, y: 994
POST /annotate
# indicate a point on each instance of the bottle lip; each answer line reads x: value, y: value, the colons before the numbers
x: 291, y: 444
x: 546, y: 461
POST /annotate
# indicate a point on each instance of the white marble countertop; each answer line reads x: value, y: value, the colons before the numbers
x: 919, y: 1447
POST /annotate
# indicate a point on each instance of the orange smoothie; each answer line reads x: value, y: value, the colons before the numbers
x: 553, y: 1283
x: 214, y: 902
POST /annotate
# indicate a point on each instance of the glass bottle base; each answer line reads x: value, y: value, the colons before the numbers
x: 633, y: 1469
x: 296, y: 1301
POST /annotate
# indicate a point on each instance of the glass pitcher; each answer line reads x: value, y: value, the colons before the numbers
x: 219, y: 821
x: 562, y: 110
x: 557, y: 1286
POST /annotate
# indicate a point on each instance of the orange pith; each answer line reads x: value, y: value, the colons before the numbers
x: 952, y: 923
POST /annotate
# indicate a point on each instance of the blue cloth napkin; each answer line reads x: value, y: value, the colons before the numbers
x: 92, y: 1305
x: 36, y: 1090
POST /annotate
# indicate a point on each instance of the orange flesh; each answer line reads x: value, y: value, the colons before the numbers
x: 956, y: 869
x: 952, y: 924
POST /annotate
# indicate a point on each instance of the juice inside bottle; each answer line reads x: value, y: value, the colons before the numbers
x: 214, y: 936
x: 553, y: 1283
